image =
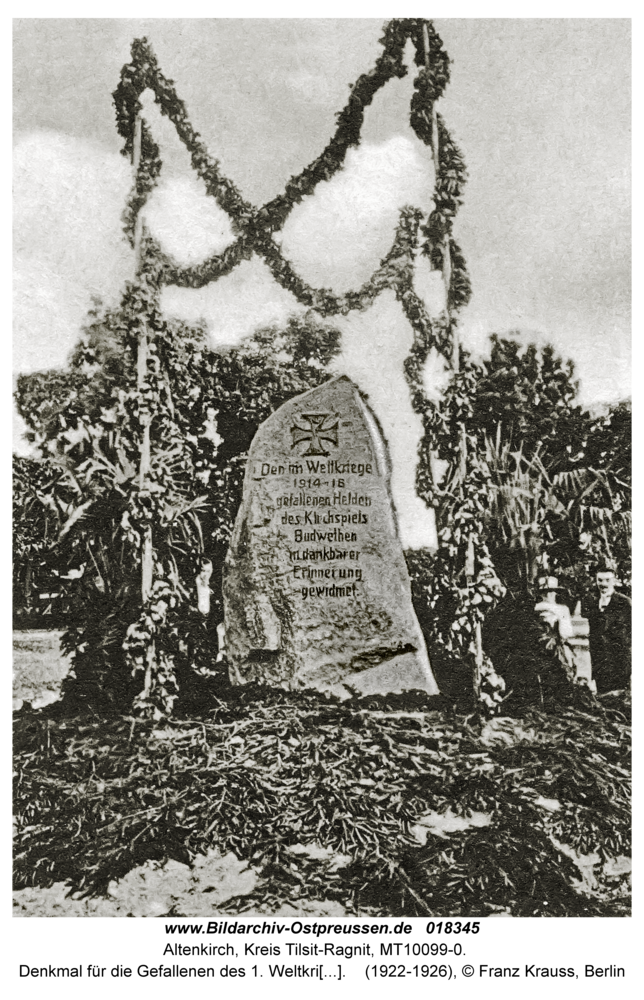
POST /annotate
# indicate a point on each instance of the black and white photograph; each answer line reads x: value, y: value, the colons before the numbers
x: 322, y: 478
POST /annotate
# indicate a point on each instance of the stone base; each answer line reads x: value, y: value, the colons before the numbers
x: 401, y: 673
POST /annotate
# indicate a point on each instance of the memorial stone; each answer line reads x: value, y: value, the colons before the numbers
x: 316, y: 590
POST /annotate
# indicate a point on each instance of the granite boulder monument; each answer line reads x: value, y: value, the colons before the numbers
x: 316, y: 590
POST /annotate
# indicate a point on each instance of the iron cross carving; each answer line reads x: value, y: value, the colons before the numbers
x: 316, y: 433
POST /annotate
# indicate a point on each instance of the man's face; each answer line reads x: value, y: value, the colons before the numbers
x: 606, y: 583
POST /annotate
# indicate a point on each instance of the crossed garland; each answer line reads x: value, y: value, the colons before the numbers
x: 254, y: 229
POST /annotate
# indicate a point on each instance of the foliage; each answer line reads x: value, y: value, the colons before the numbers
x: 265, y: 771
x: 40, y: 509
x: 532, y: 482
x: 538, y: 518
x: 206, y: 409
x: 607, y: 512
x: 559, y: 478
x: 608, y: 443
x: 530, y: 393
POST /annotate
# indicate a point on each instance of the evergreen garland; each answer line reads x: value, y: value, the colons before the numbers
x: 254, y: 227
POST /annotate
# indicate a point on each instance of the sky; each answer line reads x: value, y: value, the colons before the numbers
x: 539, y: 107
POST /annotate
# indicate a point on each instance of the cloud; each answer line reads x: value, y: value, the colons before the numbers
x: 335, y: 237
x: 338, y: 236
x: 187, y: 222
x: 315, y: 88
x: 234, y: 306
x: 68, y: 199
x: 48, y: 314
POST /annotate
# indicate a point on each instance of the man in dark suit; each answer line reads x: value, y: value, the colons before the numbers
x: 609, y: 621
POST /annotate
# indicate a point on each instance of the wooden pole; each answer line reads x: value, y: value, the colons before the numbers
x: 447, y: 280
x: 426, y: 43
x: 470, y: 569
x: 141, y: 371
x: 447, y: 256
x: 478, y: 662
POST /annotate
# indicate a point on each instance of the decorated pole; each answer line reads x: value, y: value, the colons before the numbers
x: 447, y: 253
x: 470, y: 567
x: 447, y: 280
x: 141, y: 371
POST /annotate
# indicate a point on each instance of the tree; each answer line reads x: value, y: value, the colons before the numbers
x: 531, y: 394
x: 607, y: 511
x: 559, y: 479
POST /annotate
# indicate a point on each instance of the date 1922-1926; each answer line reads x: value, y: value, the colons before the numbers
x: 415, y: 971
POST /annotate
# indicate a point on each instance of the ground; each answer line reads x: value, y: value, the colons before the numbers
x: 268, y: 802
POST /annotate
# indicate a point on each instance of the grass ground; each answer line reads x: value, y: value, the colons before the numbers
x: 276, y: 802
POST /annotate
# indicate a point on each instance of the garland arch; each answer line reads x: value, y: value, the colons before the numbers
x: 468, y: 560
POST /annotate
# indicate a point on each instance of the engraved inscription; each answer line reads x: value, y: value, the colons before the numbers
x: 322, y: 488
